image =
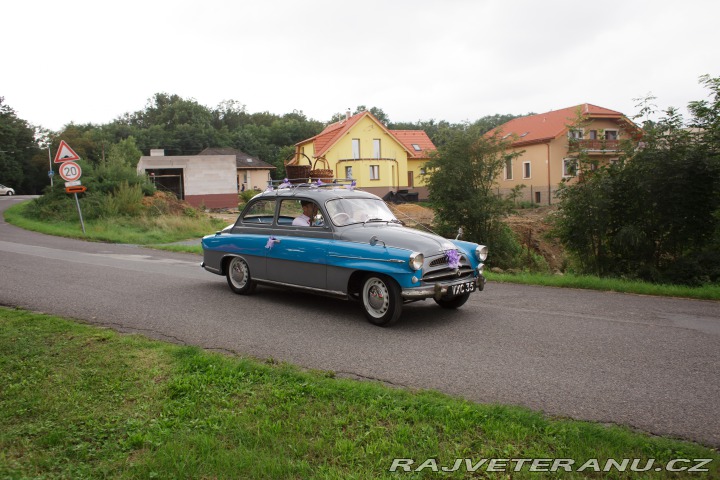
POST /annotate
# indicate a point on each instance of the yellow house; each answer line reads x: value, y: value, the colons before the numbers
x: 549, y: 143
x: 361, y: 148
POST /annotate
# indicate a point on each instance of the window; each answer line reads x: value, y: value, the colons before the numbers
x: 262, y: 211
x: 348, y: 172
x: 292, y: 214
x: 508, y: 169
x: 416, y: 147
x: 593, y: 135
x: 538, y: 197
x: 611, y: 135
x: 576, y: 134
x: 376, y: 148
x: 423, y: 170
x: 569, y: 167
x: 526, y: 169
x: 355, y: 148
x: 374, y: 172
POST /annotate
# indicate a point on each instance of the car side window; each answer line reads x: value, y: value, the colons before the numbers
x: 261, y: 211
x: 300, y: 212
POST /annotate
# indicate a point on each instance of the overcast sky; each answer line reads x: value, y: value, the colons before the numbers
x: 455, y: 60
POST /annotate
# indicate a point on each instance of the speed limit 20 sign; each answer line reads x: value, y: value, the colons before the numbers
x: 70, y: 171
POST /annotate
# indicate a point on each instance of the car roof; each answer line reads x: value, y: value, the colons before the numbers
x: 320, y: 194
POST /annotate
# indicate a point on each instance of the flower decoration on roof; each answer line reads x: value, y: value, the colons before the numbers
x: 319, y: 182
x: 453, y: 258
x: 269, y: 188
x: 286, y: 184
x: 351, y: 186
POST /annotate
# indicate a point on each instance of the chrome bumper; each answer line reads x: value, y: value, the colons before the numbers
x: 439, y: 289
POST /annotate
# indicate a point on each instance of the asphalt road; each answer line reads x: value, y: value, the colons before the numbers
x: 646, y: 362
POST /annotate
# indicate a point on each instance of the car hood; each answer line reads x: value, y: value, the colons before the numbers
x: 396, y: 236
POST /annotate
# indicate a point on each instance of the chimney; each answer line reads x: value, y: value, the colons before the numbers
x: 347, y: 114
x: 157, y: 152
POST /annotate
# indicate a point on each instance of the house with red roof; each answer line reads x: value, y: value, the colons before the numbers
x: 380, y: 160
x: 549, y: 143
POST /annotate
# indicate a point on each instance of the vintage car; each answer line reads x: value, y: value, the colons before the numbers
x: 335, y: 240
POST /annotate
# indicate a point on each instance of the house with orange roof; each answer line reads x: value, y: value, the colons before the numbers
x: 380, y: 160
x: 549, y: 144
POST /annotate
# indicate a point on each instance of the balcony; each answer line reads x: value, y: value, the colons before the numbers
x: 602, y: 145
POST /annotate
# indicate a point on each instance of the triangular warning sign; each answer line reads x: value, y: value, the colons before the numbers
x: 65, y: 153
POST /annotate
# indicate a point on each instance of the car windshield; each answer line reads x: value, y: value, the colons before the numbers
x: 344, y: 211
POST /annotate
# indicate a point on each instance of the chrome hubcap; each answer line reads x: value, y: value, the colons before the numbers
x: 238, y: 273
x: 376, y: 297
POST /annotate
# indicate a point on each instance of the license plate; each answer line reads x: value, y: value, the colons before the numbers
x: 462, y: 288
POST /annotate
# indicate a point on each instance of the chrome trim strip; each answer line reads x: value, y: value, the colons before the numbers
x: 367, y: 258
x: 333, y: 293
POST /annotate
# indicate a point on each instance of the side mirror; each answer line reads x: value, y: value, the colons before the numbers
x: 374, y: 240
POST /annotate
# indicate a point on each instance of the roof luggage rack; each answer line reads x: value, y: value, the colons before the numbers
x: 292, y: 183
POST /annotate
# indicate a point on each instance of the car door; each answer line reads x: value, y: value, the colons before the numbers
x: 298, y: 254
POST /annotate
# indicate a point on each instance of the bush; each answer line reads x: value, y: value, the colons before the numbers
x: 247, y: 195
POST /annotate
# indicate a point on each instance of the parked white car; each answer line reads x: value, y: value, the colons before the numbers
x: 6, y: 190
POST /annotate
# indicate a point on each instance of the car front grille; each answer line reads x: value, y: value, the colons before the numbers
x: 439, y: 261
x: 436, y: 269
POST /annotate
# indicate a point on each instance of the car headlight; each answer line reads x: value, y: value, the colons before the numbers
x: 481, y: 252
x: 416, y: 260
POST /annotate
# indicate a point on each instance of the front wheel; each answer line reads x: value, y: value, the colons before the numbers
x: 9, y: 193
x: 238, y: 277
x: 454, y: 302
x: 381, y: 300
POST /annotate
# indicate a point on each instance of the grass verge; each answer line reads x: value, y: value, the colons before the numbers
x: 707, y: 292
x: 142, y: 230
x: 84, y: 402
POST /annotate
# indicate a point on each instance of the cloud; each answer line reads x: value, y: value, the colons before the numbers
x: 455, y: 60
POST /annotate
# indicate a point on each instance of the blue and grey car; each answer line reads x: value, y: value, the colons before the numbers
x: 338, y: 241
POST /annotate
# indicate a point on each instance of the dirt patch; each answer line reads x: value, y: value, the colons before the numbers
x: 412, y: 214
x: 166, y: 203
x: 532, y: 227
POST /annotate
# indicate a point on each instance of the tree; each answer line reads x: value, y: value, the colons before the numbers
x: 461, y: 176
x: 125, y: 153
x: 17, y: 149
x: 655, y: 214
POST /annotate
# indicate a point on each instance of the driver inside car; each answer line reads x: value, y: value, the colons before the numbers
x: 309, y: 209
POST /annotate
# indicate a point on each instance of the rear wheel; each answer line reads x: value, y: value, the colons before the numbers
x: 381, y: 300
x: 238, y: 277
x: 454, y: 302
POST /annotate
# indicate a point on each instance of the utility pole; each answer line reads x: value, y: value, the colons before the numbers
x: 50, y: 172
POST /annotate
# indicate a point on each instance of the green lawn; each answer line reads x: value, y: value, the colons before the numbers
x: 78, y: 401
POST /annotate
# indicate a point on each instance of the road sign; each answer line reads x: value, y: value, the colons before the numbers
x: 73, y: 184
x: 50, y: 173
x: 65, y: 153
x: 70, y: 171
x: 78, y: 189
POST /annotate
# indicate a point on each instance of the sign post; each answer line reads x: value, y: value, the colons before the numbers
x: 71, y: 173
